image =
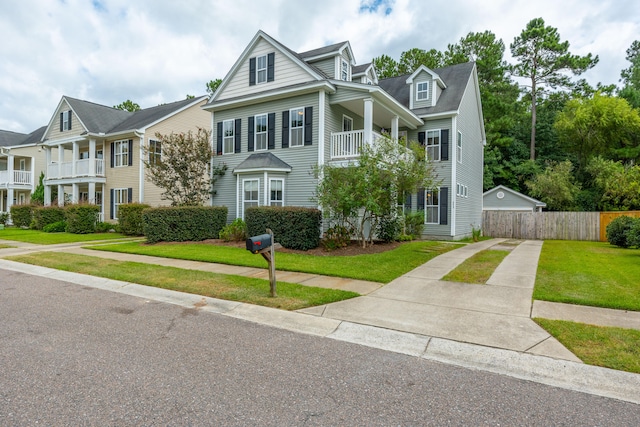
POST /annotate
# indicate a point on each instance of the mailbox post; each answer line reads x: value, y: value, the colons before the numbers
x: 265, y: 246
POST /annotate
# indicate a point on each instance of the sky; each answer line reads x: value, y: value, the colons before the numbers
x: 158, y: 51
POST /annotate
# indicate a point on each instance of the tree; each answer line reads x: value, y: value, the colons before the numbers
x: 412, y: 59
x: 385, y: 66
x: 618, y: 184
x: 544, y: 60
x: 213, y: 85
x: 128, y: 105
x: 369, y: 189
x: 182, y: 170
x: 631, y: 76
x: 556, y: 186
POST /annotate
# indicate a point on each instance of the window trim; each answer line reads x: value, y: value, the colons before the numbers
x: 349, y: 119
x: 433, y: 147
x: 155, y: 155
x: 244, y: 200
x: 65, y: 120
x: 115, y: 203
x: 422, y: 95
x: 264, y: 69
x: 232, y: 137
x: 293, y: 112
x: 272, y: 201
x: 459, y: 147
x: 22, y: 165
x: 120, y: 157
x: 344, y: 70
x: 428, y: 206
x: 265, y: 132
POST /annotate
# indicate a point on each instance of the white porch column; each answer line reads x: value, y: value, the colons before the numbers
x: 47, y: 161
x: 92, y: 193
x: 368, y: 120
x: 92, y: 157
x: 60, y: 160
x: 75, y: 192
x: 60, y: 195
x: 74, y: 160
x: 9, y: 199
x: 34, y: 178
x: 10, y: 160
x: 394, y: 127
x: 47, y: 195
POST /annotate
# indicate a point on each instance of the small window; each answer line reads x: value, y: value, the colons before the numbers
x: 155, y: 152
x: 347, y: 124
x: 432, y: 207
x: 261, y: 132
x: 459, y: 147
x: 120, y: 197
x: 23, y: 165
x: 261, y: 69
x: 276, y: 192
x: 121, y: 153
x: 250, y: 194
x: 66, y: 120
x: 422, y: 91
x: 228, y: 137
x: 296, y: 127
x: 345, y: 70
x: 433, y: 145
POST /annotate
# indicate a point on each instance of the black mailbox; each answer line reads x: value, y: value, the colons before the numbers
x: 258, y: 243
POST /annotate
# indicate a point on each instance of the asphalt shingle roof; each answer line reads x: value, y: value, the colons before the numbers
x: 95, y: 117
x: 262, y: 161
x: 8, y: 138
x: 142, y: 118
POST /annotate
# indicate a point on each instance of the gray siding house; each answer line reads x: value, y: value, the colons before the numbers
x: 503, y: 198
x: 277, y: 114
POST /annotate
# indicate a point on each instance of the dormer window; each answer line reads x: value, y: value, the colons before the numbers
x: 345, y: 71
x: 422, y: 91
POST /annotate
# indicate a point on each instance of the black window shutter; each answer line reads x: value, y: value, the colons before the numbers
x: 113, y: 202
x: 238, y: 132
x: 131, y: 152
x: 271, y: 60
x: 422, y: 137
x: 219, y: 140
x: 444, y: 144
x: 61, y: 120
x: 251, y: 133
x: 407, y: 201
x: 271, y: 131
x: 129, y: 195
x: 285, y: 129
x: 113, y: 156
x: 444, y: 204
x: 308, y: 126
x: 69, y: 118
x: 252, y: 71
x: 420, y: 199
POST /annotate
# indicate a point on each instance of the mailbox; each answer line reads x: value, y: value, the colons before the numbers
x: 257, y: 243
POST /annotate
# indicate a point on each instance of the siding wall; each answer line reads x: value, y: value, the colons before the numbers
x: 422, y: 77
x: 122, y: 176
x: 327, y: 66
x: 54, y: 131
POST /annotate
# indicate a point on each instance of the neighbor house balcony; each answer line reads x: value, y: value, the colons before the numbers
x: 348, y: 145
x: 75, y: 169
x: 16, y: 178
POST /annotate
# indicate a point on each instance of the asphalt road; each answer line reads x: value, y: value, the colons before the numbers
x: 73, y: 355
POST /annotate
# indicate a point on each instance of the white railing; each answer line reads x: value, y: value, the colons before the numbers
x: 348, y: 145
x: 65, y: 169
x: 19, y: 177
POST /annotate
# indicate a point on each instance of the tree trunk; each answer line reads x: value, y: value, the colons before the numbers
x: 532, y: 155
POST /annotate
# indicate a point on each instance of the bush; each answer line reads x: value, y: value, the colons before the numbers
x: 4, y: 217
x: 184, y: 223
x: 618, y: 231
x: 43, y: 216
x: 106, y: 227
x: 236, y: 231
x: 130, y: 218
x: 293, y: 227
x: 633, y: 236
x: 82, y: 218
x: 414, y: 224
x: 56, y: 227
x: 22, y: 215
x: 336, y: 237
x: 388, y: 228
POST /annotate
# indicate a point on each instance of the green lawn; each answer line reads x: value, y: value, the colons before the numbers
x: 229, y: 287
x: 42, y: 238
x: 478, y: 268
x: 381, y: 267
x: 614, y: 348
x: 589, y: 273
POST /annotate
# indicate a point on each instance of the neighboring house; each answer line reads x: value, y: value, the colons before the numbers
x: 20, y: 166
x: 278, y: 113
x: 94, y: 153
x: 503, y: 198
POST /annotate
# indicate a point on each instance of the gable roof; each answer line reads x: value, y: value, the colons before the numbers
x: 455, y: 77
x: 8, y: 138
x: 328, y: 51
x: 96, y: 118
x: 514, y: 193
x: 262, y: 161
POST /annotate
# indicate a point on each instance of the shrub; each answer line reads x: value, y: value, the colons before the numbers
x: 82, y: 218
x: 56, y: 227
x: 618, y: 231
x: 130, y: 219
x: 236, y: 231
x: 184, y: 223
x: 414, y: 224
x: 476, y: 233
x: 22, y: 215
x: 293, y: 227
x: 4, y: 217
x: 105, y: 227
x: 336, y: 237
x: 388, y: 228
x: 633, y: 236
x: 43, y: 216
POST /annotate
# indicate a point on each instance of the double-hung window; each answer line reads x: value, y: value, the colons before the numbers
x: 433, y: 144
x: 66, y: 120
x: 422, y: 91
x: 250, y: 194
x: 261, y: 69
x: 155, y: 152
x: 261, y: 132
x: 121, y: 153
x: 276, y: 192
x: 120, y: 197
x: 296, y: 127
x: 432, y: 207
x: 459, y: 147
x: 344, y: 71
x: 228, y: 137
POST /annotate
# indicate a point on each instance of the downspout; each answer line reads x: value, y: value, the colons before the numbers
x: 142, y: 169
x: 454, y: 181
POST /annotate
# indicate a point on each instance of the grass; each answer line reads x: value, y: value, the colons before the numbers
x: 42, y: 238
x: 229, y: 287
x: 5, y: 246
x: 589, y: 273
x: 478, y: 268
x: 382, y: 267
x: 614, y: 348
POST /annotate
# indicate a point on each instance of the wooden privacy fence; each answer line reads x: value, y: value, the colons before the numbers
x: 607, y: 217
x: 542, y: 225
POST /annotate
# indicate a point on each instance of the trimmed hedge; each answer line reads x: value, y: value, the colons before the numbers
x: 185, y: 223
x: 56, y: 227
x: 82, y: 218
x: 130, y: 218
x: 45, y: 215
x: 22, y: 215
x: 293, y: 227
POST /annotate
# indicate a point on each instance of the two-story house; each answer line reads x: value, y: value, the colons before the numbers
x: 95, y: 153
x: 279, y: 113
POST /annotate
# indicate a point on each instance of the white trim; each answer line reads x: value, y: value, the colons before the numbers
x: 344, y: 116
x: 245, y: 171
x: 266, y: 132
x: 243, y: 192
x: 321, y: 130
x: 426, y: 147
x: 437, y: 191
x: 297, y: 127
x: 142, y: 169
x: 233, y: 137
x: 258, y: 69
x: 265, y: 180
x: 454, y: 176
x: 119, y: 143
x: 423, y: 91
x: 238, y: 200
x: 459, y: 146
x: 269, y: 201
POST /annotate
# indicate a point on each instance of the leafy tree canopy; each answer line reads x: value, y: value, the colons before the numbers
x: 128, y: 105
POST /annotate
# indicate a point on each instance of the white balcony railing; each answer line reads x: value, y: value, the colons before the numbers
x: 348, y: 145
x: 19, y: 177
x: 65, y: 169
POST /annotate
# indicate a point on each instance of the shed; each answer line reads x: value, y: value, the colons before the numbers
x: 503, y: 198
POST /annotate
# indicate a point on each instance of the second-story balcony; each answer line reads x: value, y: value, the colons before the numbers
x: 75, y: 169
x: 16, y: 177
x: 348, y: 145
